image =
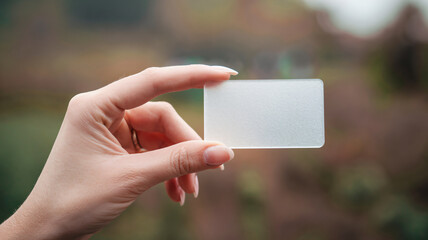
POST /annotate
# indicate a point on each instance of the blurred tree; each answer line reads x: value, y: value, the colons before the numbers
x: 108, y: 12
x: 252, y: 205
x: 400, y: 61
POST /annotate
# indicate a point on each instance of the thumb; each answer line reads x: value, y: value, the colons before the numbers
x: 180, y: 159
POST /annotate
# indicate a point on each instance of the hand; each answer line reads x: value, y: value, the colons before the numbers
x: 94, y: 172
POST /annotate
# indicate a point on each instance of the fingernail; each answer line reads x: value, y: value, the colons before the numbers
x: 217, y: 155
x: 225, y: 69
x: 182, y: 198
x: 222, y: 167
x: 196, y: 184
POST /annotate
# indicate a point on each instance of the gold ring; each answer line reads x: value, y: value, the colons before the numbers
x: 136, y: 142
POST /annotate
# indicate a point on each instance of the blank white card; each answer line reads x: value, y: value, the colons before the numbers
x: 283, y: 113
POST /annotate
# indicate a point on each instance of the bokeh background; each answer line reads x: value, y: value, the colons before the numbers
x: 370, y: 179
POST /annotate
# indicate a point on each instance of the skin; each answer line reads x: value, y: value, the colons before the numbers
x: 94, y: 172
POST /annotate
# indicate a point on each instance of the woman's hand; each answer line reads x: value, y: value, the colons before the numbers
x: 94, y: 172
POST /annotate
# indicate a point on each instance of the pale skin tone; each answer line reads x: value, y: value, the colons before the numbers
x: 94, y: 172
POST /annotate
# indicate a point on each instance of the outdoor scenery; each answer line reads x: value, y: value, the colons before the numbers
x: 369, y: 181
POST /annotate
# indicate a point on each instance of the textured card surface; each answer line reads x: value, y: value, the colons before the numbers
x: 276, y: 113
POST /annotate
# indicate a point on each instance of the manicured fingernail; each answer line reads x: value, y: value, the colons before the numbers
x: 182, y: 198
x: 196, y: 184
x: 226, y: 69
x: 217, y: 155
x: 222, y: 167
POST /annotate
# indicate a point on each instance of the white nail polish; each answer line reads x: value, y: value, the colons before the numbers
x: 226, y: 69
x: 222, y: 167
x: 182, y: 198
x: 196, y: 193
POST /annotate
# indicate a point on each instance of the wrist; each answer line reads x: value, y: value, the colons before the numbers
x: 9, y: 229
x: 29, y: 222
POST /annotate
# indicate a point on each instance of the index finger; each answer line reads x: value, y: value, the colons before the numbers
x: 137, y: 89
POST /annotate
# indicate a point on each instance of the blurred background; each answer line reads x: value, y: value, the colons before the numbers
x: 370, y: 179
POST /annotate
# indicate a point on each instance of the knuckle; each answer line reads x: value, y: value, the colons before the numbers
x: 166, y: 106
x: 77, y: 101
x: 151, y: 71
x: 79, y: 106
x: 131, y: 181
x: 180, y: 161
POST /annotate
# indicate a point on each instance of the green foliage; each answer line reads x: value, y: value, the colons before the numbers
x: 26, y: 139
x: 189, y: 97
x: 358, y: 187
x: 399, y: 217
